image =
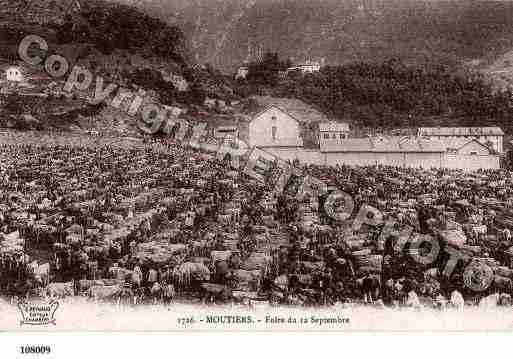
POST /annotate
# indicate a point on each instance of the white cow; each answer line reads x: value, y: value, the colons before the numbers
x: 490, y: 301
x: 457, y: 300
x: 412, y: 301
x: 42, y: 274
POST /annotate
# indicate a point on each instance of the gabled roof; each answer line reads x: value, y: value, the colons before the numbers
x: 334, y: 127
x: 461, y: 131
x: 381, y: 144
x: 459, y: 143
x: 385, y: 144
x: 300, y: 111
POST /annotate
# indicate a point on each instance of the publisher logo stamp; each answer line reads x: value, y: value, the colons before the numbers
x: 38, y: 314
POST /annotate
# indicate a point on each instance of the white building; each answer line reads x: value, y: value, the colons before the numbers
x: 469, y: 154
x: 492, y: 137
x: 283, y: 122
x: 274, y: 127
x: 178, y: 81
x: 226, y: 132
x: 306, y: 67
x: 331, y: 131
x: 399, y: 151
x: 14, y: 74
x: 389, y: 151
x: 242, y: 73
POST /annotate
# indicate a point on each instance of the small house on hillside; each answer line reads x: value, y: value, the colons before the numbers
x: 306, y: 67
x: 242, y: 73
x: 22, y: 75
x: 14, y: 74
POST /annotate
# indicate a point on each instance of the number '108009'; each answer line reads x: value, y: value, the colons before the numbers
x: 35, y: 349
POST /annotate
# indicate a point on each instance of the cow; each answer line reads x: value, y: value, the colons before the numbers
x: 412, y: 300
x: 59, y: 290
x: 109, y: 281
x: 440, y: 302
x: 119, y: 273
x: 430, y: 288
x: 249, y: 280
x: 42, y: 274
x: 152, y: 276
x: 168, y: 293
x: 431, y: 273
x: 32, y: 267
x: 85, y: 284
x: 477, y: 230
x: 502, y: 285
x: 457, y: 300
x: 269, y: 221
x: 220, y: 256
x: 505, y: 300
x: 370, y: 287
x: 282, y: 282
x: 393, y: 291
x: 224, y: 218
x: 98, y: 292
x: 490, y: 301
x: 136, y: 277
x: 388, y: 291
x: 156, y: 292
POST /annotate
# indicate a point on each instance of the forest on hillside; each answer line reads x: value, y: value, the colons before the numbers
x: 386, y: 95
x: 99, y: 24
x: 111, y: 27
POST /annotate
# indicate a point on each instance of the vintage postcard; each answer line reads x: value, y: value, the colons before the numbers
x: 255, y: 165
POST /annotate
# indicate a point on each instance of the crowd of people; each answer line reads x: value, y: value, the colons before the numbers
x: 151, y: 223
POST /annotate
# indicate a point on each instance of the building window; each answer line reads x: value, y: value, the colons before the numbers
x: 327, y: 136
x: 274, y: 129
x: 334, y: 136
x: 342, y: 136
x: 473, y: 153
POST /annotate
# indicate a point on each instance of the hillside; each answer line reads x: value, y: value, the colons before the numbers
x: 227, y: 32
x: 117, y: 42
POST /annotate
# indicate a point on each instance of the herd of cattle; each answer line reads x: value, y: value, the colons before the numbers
x: 151, y: 223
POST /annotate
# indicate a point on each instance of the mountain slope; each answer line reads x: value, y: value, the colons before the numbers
x: 227, y: 32
x: 116, y: 42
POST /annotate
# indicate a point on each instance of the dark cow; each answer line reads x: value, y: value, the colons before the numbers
x: 370, y: 287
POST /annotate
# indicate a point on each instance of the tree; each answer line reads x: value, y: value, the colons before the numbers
x: 265, y: 72
x: 13, y: 105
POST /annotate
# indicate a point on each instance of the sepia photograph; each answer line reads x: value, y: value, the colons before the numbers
x: 255, y: 166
